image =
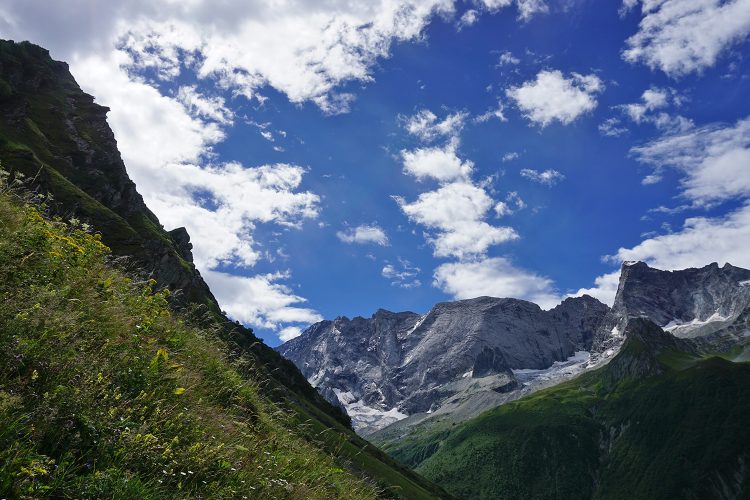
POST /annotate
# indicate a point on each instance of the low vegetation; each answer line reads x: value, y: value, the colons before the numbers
x: 106, y: 393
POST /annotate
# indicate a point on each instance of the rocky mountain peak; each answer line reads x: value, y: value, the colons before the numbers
x: 55, y: 133
x: 392, y: 365
x: 691, y: 302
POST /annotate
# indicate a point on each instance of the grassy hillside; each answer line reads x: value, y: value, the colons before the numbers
x: 106, y: 393
x: 59, y: 138
x: 632, y: 429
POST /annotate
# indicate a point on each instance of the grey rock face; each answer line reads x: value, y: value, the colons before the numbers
x: 689, y: 303
x: 414, y: 363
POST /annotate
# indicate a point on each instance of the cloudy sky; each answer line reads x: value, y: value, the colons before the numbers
x: 333, y: 157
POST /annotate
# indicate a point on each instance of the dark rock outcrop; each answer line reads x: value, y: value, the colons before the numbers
x: 181, y: 240
x: 58, y: 136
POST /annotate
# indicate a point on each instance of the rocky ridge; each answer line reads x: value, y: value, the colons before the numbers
x: 399, y: 370
x: 391, y: 365
x: 704, y: 304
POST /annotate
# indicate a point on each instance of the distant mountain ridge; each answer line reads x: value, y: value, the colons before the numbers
x: 467, y: 356
x: 397, y: 364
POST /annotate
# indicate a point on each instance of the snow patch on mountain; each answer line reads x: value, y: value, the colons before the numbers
x: 559, y: 369
x: 366, y: 418
x: 676, y: 326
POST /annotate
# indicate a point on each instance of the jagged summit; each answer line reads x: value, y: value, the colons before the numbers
x: 397, y: 364
x: 692, y: 302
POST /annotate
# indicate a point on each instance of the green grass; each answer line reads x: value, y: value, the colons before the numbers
x: 105, y: 393
x: 682, y: 433
x: 49, y: 131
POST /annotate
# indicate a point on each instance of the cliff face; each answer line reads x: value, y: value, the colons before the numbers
x: 56, y: 134
x: 705, y: 304
x: 58, y: 137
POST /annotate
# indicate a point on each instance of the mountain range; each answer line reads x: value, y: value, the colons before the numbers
x: 458, y: 354
x: 467, y: 356
x: 497, y: 398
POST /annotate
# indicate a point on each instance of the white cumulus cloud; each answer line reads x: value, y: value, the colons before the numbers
x: 526, y: 8
x: 220, y: 206
x: 426, y: 126
x: 714, y: 160
x: 468, y: 18
x: 211, y: 108
x: 604, y: 289
x: 552, y: 96
x: 497, y: 112
x: 289, y: 333
x: 652, y: 99
x: 513, y: 203
x: 651, y: 107
x: 260, y: 300
x: 495, y: 277
x: 402, y: 274
x: 456, y: 212
x: 547, y: 177
x: 507, y: 58
x: 439, y: 163
x: 612, y: 127
x: 685, y: 36
x: 364, y: 234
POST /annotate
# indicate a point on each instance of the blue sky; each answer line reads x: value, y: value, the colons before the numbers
x: 333, y: 159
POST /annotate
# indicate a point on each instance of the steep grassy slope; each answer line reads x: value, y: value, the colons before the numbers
x: 58, y: 137
x: 657, y: 422
x: 105, y: 393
